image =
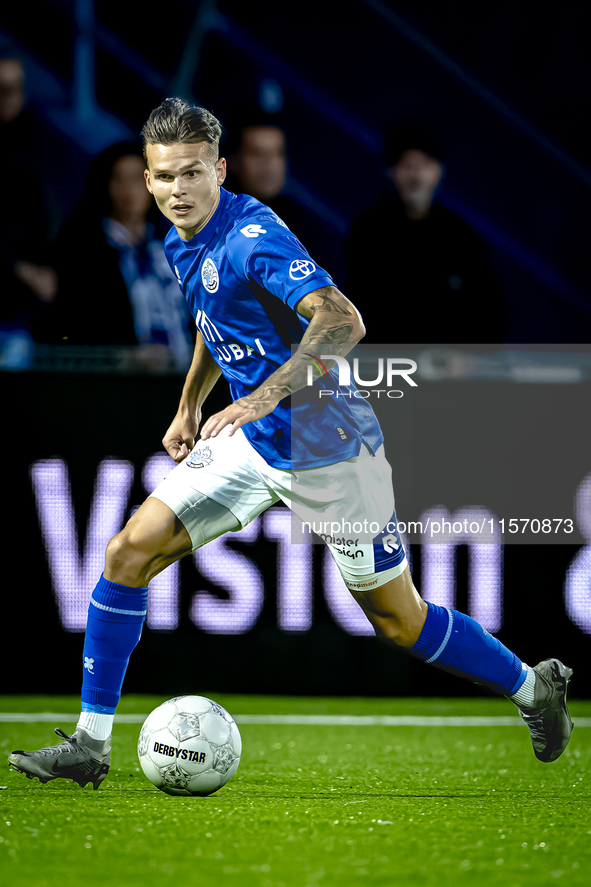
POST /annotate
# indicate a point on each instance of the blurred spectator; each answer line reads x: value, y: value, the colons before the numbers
x: 257, y: 155
x: 115, y: 284
x: 28, y: 284
x: 431, y: 270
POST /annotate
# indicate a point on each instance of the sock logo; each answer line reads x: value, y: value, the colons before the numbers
x: 89, y: 664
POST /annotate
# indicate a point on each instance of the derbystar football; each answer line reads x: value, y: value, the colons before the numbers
x: 189, y: 745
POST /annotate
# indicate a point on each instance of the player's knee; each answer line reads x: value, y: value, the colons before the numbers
x: 126, y: 551
x: 115, y: 553
x: 395, y: 632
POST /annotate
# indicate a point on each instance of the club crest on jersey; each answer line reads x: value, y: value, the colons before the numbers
x: 210, y: 276
x: 301, y: 268
x: 200, y: 458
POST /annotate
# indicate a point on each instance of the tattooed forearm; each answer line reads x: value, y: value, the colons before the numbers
x: 331, y: 335
x: 334, y: 325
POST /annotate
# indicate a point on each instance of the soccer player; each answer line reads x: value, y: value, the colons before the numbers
x: 264, y: 313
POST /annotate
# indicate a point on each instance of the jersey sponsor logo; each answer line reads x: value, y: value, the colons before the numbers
x: 252, y: 230
x: 210, y: 275
x: 233, y: 351
x: 200, y: 458
x: 301, y: 268
x: 238, y: 350
x: 207, y: 327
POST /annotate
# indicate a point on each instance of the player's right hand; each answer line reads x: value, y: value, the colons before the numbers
x: 179, y: 439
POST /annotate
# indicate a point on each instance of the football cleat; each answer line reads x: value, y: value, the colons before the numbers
x: 548, y: 720
x: 79, y: 757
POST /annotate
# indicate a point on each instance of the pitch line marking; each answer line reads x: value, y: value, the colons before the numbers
x: 313, y: 720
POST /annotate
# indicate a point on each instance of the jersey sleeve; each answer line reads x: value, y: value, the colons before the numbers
x: 278, y: 262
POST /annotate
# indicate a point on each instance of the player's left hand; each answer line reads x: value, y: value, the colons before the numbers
x: 237, y: 414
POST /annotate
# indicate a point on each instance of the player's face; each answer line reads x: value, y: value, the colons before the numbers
x: 185, y: 181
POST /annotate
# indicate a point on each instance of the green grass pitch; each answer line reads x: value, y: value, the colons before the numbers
x: 311, y: 805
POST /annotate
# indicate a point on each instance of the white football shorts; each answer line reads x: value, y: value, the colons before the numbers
x: 224, y: 484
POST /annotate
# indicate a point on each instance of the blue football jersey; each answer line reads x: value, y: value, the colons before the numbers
x: 243, y: 276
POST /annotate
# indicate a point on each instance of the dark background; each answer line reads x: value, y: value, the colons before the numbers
x: 504, y: 87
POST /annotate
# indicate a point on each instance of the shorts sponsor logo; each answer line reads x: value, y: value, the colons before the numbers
x: 337, y: 540
x: 301, y: 268
x: 210, y: 275
x: 348, y: 553
x: 200, y: 458
x: 343, y: 546
x: 361, y: 586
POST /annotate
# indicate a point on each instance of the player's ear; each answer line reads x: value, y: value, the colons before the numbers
x: 220, y: 167
x: 147, y: 180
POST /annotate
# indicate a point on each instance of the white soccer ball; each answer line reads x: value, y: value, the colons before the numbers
x: 189, y: 745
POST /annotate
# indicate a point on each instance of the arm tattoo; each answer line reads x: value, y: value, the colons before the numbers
x: 332, y: 326
x: 327, y: 302
x: 332, y: 322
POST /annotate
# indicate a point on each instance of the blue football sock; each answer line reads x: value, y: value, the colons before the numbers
x: 115, y: 618
x: 454, y: 642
